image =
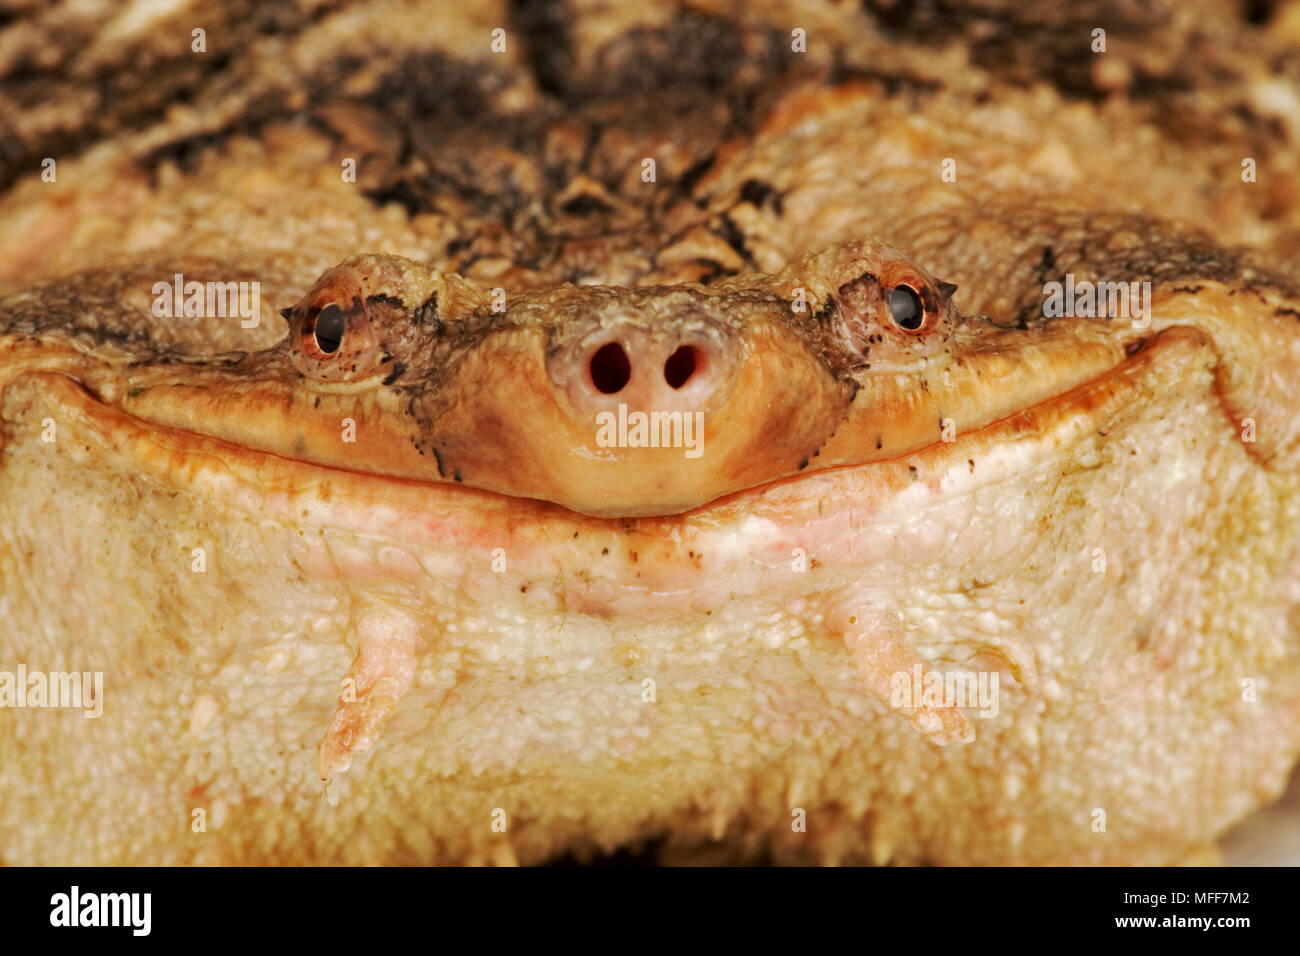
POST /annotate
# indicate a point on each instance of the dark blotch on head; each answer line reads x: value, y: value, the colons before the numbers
x: 758, y: 193
x: 400, y: 191
x: 548, y: 44
x: 427, y: 311
x: 585, y: 204
x: 856, y: 296
x: 732, y: 236
x: 826, y: 312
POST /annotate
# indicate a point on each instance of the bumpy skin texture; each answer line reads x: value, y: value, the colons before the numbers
x: 598, y: 647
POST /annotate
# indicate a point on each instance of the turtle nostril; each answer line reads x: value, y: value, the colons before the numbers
x: 680, y: 366
x: 610, y: 368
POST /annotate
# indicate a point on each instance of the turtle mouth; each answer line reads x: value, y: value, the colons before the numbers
x: 495, y: 420
x: 326, y: 496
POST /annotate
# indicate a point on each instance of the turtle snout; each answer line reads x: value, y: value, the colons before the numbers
x: 644, y: 367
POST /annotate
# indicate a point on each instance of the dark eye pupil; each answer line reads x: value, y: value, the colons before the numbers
x: 905, y: 308
x: 328, y: 329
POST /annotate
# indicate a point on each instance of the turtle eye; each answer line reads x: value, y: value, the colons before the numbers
x: 326, y: 324
x: 326, y: 328
x: 905, y: 308
x: 339, y: 334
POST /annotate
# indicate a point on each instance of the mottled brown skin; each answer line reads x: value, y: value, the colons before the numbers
x: 524, y: 172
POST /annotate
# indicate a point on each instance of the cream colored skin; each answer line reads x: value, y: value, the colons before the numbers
x: 372, y: 667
